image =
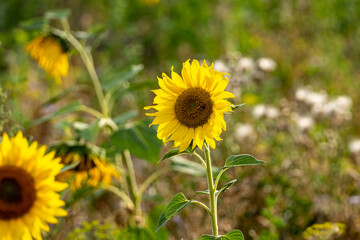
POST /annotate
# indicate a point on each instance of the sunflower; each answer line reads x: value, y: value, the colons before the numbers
x: 28, y: 198
x: 91, y: 168
x: 50, y: 53
x: 191, y: 107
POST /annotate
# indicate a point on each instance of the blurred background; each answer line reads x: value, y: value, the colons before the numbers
x: 294, y: 63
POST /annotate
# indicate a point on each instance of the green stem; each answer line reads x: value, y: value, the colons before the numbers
x: 91, y: 111
x: 213, y: 203
x: 130, y: 178
x: 149, y: 180
x: 87, y: 59
x: 218, y: 177
x: 122, y: 195
x: 203, y: 205
x: 200, y: 158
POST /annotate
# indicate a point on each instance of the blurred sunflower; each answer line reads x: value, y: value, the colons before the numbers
x: 50, y: 53
x: 28, y: 198
x: 191, y: 107
x: 90, y: 167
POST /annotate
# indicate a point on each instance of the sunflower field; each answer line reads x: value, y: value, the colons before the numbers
x: 180, y: 119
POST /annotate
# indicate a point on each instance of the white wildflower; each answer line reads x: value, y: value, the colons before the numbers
x: 354, y: 146
x: 259, y: 111
x: 272, y: 112
x: 266, y: 64
x: 246, y: 64
x: 244, y: 132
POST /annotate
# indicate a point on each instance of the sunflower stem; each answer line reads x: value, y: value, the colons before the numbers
x: 87, y: 59
x: 132, y: 185
x: 212, y: 190
x: 200, y: 158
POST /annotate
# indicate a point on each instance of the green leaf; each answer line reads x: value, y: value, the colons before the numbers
x: 232, y: 235
x: 57, y: 14
x: 86, y: 131
x: 136, y: 233
x: 70, y: 108
x: 61, y: 95
x: 123, y: 118
x: 225, y: 187
x: 217, y: 192
x: 69, y: 167
x: 241, y: 160
x: 113, y: 82
x: 176, y: 204
x: 172, y: 153
x: 206, y: 192
x: 34, y: 24
x: 140, y: 140
x: 175, y: 152
x: 236, y: 106
x: 183, y: 165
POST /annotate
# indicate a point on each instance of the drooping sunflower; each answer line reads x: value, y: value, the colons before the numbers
x: 28, y: 198
x: 191, y: 107
x: 91, y: 169
x: 50, y: 53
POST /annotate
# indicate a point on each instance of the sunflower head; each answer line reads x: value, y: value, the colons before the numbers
x: 28, y: 198
x: 190, y: 108
x: 50, y: 53
x: 91, y: 168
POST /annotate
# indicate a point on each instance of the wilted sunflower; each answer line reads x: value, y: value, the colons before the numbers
x: 28, y: 198
x: 91, y: 169
x: 191, y: 107
x: 50, y: 53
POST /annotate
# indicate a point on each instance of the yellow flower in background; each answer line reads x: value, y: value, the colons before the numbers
x: 327, y: 230
x: 191, y: 107
x: 91, y: 169
x: 28, y: 198
x: 50, y: 53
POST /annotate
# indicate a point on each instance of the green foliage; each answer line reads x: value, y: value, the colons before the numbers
x: 176, y: 204
x: 94, y: 230
x: 68, y: 109
x: 241, y: 160
x: 174, y: 152
x: 186, y: 166
x: 225, y: 187
x: 232, y: 235
x: 4, y: 114
x: 140, y: 140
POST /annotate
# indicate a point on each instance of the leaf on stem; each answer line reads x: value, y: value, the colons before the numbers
x: 225, y: 187
x: 139, y: 139
x: 172, y: 153
x: 57, y: 14
x: 221, y: 190
x: 241, y: 160
x: 184, y: 165
x: 70, y: 108
x: 232, y: 235
x: 69, y: 167
x: 176, y: 204
x: 236, y: 106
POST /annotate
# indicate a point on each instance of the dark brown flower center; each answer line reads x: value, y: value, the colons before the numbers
x: 17, y: 192
x: 193, y: 107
